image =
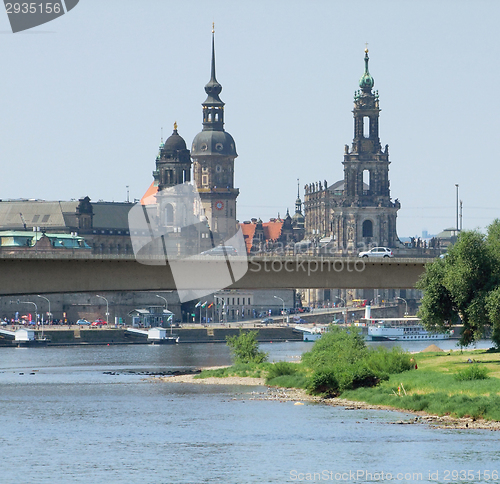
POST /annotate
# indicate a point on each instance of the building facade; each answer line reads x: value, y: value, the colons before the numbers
x: 356, y: 212
x: 213, y: 152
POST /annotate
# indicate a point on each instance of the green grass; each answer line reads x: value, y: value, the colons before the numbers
x: 438, y: 386
x: 252, y: 370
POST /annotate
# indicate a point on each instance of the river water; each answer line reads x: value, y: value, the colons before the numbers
x: 64, y: 420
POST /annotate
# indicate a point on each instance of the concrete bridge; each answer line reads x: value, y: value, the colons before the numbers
x: 54, y: 273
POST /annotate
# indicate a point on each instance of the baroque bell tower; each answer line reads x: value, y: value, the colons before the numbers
x: 213, y: 153
x: 370, y: 217
x: 357, y: 212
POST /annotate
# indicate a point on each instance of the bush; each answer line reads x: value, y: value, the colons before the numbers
x: 389, y: 362
x: 245, y: 348
x: 282, y: 368
x: 323, y: 382
x: 473, y: 372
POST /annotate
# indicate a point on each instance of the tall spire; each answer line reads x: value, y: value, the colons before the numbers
x: 298, y: 202
x: 213, y: 107
x: 213, y: 79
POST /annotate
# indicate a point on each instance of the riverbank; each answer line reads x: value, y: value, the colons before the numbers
x: 83, y: 335
x: 439, y: 363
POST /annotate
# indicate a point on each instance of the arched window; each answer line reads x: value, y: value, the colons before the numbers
x: 169, y: 215
x: 366, y: 127
x: 367, y: 228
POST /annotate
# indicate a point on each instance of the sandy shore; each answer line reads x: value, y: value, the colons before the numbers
x: 299, y: 396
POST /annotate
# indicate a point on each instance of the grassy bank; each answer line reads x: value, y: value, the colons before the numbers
x: 454, y: 383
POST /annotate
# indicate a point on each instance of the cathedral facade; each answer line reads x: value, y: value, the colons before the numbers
x: 357, y: 212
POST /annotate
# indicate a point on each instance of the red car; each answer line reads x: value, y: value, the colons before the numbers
x: 99, y: 322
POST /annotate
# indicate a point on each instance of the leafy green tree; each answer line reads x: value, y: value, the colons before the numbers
x: 465, y: 286
x: 245, y: 348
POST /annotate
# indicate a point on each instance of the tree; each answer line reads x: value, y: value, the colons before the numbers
x: 245, y: 348
x: 465, y: 286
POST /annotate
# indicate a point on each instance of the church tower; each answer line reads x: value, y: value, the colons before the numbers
x: 357, y: 212
x: 213, y: 153
x: 173, y: 163
x: 368, y: 216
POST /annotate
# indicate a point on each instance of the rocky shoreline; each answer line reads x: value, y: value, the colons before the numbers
x: 299, y: 396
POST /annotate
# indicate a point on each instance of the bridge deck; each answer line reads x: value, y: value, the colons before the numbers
x: 46, y: 273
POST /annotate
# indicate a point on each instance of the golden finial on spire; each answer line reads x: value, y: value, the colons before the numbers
x: 175, y: 125
x: 366, y: 47
x: 213, y: 27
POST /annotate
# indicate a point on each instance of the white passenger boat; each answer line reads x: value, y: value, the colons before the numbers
x: 311, y: 334
x: 401, y: 329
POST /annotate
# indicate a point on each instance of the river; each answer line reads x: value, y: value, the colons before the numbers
x: 65, y: 420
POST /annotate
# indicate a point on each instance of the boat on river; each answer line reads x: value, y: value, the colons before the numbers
x: 311, y: 334
x: 401, y: 329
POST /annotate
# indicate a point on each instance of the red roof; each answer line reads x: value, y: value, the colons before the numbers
x: 149, y: 197
x: 272, y: 231
x: 248, y: 233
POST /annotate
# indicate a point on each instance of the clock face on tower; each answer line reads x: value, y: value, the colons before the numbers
x: 219, y: 205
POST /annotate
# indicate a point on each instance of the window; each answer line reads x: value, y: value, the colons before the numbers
x: 169, y: 215
x: 367, y: 228
x: 366, y: 126
x: 366, y: 181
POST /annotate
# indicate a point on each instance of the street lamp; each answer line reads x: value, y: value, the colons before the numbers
x: 406, y: 311
x: 166, y: 306
x: 283, y: 312
x: 220, y: 311
x: 456, y: 185
x: 345, y: 308
x: 36, y: 308
x: 49, y: 313
x: 107, y: 308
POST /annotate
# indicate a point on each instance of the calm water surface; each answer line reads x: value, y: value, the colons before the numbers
x: 71, y: 423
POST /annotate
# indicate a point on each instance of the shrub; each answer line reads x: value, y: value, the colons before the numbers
x: 245, y: 348
x: 473, y: 372
x: 389, y: 362
x: 323, y: 382
x: 282, y: 368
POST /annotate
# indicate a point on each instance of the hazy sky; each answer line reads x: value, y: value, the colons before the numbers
x: 83, y: 98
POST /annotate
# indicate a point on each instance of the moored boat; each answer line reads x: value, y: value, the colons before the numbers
x: 401, y: 329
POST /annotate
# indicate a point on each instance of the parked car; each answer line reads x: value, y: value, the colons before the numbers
x: 82, y: 321
x: 300, y: 321
x: 377, y: 252
x: 221, y: 251
x: 99, y: 322
x: 267, y: 321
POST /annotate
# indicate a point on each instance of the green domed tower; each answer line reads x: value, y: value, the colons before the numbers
x: 357, y: 212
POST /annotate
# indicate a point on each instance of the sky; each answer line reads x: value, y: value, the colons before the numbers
x: 84, y: 98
